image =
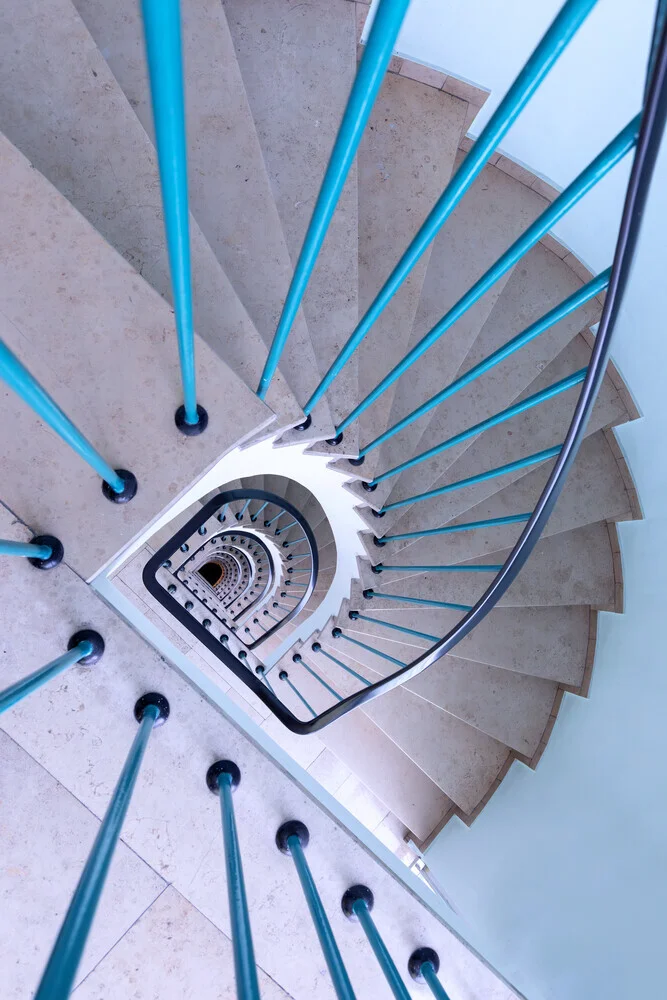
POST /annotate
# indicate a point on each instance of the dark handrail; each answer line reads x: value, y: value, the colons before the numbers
x: 651, y: 131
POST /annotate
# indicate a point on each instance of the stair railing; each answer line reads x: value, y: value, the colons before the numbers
x: 644, y: 132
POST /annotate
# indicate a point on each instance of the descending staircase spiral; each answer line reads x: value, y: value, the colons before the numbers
x: 445, y: 458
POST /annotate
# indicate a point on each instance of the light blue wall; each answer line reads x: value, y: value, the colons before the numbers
x: 564, y: 874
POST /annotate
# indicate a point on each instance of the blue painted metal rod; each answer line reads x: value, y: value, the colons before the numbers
x: 275, y: 518
x: 294, y: 541
x: 253, y: 517
x: 417, y: 600
x: 243, y: 509
x: 484, y: 425
x: 434, y: 984
x: 279, y: 531
x: 295, y: 583
x: 16, y: 692
x: 317, y: 677
x: 385, y: 960
x: 552, y: 45
x: 221, y: 514
x: 356, y: 615
x: 283, y: 677
x: 587, y: 179
x: 268, y: 683
x: 27, y: 549
x: 377, y: 53
x: 18, y: 378
x: 298, y: 557
x: 385, y: 656
x: 564, y: 308
x: 60, y: 972
x: 437, y: 569
x: 162, y: 32
x: 339, y: 663
x: 245, y: 968
x: 339, y: 977
x: 522, y: 463
x: 489, y: 522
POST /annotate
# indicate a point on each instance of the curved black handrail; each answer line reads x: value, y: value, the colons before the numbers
x: 651, y: 131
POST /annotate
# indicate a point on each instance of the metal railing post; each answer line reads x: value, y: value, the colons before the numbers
x: 150, y: 711
x: 423, y: 966
x: 118, y: 485
x: 222, y: 778
x: 162, y: 34
x: 42, y: 551
x: 358, y: 902
x: 84, y: 647
x: 292, y: 838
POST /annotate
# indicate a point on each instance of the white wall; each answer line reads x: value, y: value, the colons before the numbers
x: 564, y: 875
x: 594, y: 90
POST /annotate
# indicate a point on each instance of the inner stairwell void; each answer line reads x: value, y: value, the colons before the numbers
x: 348, y: 540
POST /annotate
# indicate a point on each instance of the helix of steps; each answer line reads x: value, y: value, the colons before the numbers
x: 266, y: 86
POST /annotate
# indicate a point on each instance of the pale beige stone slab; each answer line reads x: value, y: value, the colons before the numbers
x: 101, y: 341
x: 46, y: 837
x: 298, y: 63
x: 108, y: 170
x: 173, y: 952
x: 230, y: 194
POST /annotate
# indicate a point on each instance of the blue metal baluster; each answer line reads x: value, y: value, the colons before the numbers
x: 338, y: 633
x: 484, y: 425
x: 284, y: 676
x: 56, y: 984
x: 253, y: 517
x: 280, y: 531
x: 297, y: 658
x: 619, y: 147
x: 293, y: 838
x: 522, y: 463
x: 358, y: 902
x: 357, y: 616
x: 42, y: 551
x: 162, y: 33
x: 552, y: 45
x: 222, y: 513
x: 84, y: 647
x: 294, y: 541
x: 423, y: 967
x: 569, y: 305
x: 379, y: 567
x: 222, y: 778
x: 489, y: 522
x: 317, y: 648
x: 119, y: 485
x: 261, y: 672
x: 377, y: 53
x: 370, y: 594
x: 239, y: 516
x: 267, y: 524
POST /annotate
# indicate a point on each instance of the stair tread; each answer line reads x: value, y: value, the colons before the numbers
x: 405, y: 161
x: 288, y: 54
x: 90, y: 145
x: 95, y: 339
x: 242, y: 226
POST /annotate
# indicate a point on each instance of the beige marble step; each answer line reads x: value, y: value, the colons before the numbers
x: 539, y: 282
x: 405, y: 161
x: 373, y: 757
x: 298, y: 63
x: 594, y: 490
x: 542, y: 427
x: 230, y: 194
x: 462, y: 760
x: 492, y: 214
x: 73, y: 122
x: 94, y: 338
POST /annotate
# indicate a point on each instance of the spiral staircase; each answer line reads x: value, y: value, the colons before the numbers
x: 447, y: 418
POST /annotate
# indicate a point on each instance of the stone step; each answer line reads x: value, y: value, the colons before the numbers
x: 95, y: 340
x: 73, y: 122
x: 230, y: 194
x: 298, y: 63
